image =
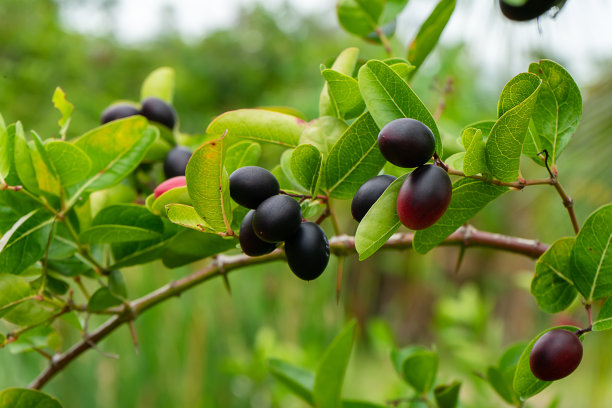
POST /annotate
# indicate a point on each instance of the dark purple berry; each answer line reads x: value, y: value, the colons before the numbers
x: 251, y: 185
x: 424, y: 197
x: 528, y: 11
x: 176, y: 161
x: 157, y: 110
x: 368, y: 193
x: 249, y: 242
x: 118, y: 111
x: 307, y: 251
x: 406, y: 142
x: 277, y: 218
x: 555, y: 355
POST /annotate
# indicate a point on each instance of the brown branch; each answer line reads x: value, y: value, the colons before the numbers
x: 339, y: 245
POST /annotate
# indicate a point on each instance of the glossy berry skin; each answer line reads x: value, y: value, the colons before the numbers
x: 251, y: 185
x: 277, y: 218
x: 176, y: 161
x: 174, y: 182
x: 528, y: 11
x: 424, y: 197
x: 307, y: 251
x: 157, y: 110
x: 118, y: 111
x: 368, y: 193
x: 406, y: 142
x: 555, y: 355
x: 249, y: 242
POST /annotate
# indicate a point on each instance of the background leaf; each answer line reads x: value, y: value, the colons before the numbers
x: 359, y: 17
x: 505, y: 143
x: 12, y: 289
x: 102, y: 299
x: 417, y: 365
x: 208, y: 185
x: 298, y: 380
x: 332, y: 367
x: 591, y: 259
x: 354, y: 159
x: 447, y: 396
x: 380, y: 222
x: 65, y: 108
x: 24, y: 398
x: 189, y: 246
x: 552, y: 285
x: 388, y: 97
x: 259, y: 125
x: 469, y: 196
x: 159, y: 84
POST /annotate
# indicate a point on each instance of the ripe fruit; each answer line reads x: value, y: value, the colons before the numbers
x: 118, y: 111
x: 406, y: 142
x: 159, y: 111
x: 424, y: 197
x: 251, y: 185
x: 249, y: 242
x: 176, y: 161
x: 530, y: 10
x: 307, y: 251
x: 368, y: 193
x: 277, y: 218
x: 555, y: 355
x: 174, y: 182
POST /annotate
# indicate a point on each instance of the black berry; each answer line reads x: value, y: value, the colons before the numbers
x: 159, y: 111
x: 406, y: 142
x: 118, y: 111
x: 530, y: 10
x: 424, y: 197
x: 249, y: 242
x: 277, y: 218
x: 368, y: 193
x: 251, y: 185
x: 307, y: 251
x: 555, y: 355
x: 176, y: 162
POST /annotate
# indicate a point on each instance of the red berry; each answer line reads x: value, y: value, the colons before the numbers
x: 174, y: 182
x: 555, y: 355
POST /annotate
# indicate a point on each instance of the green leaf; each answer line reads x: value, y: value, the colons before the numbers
x: 159, y: 84
x: 298, y: 380
x: 115, y: 149
x: 484, y: 126
x: 380, y: 222
x: 323, y: 133
x: 332, y: 367
x: 502, y: 376
x: 469, y: 196
x: 360, y: 404
x: 455, y: 161
x: 430, y: 31
x: 177, y: 195
x: 6, y: 236
x: 557, y: 111
x: 241, y: 154
x: 359, y: 17
x: 102, y: 299
x: 259, y: 125
x: 447, y: 396
x: 388, y: 97
x: 525, y: 383
x: 13, y: 289
x: 591, y: 259
x: 6, y: 151
x: 122, y: 223
x: 345, y: 64
x: 189, y: 246
x: 208, y: 185
x: 23, y: 160
x: 417, y: 365
x: 38, y: 337
x: 354, y: 159
x: 604, y: 319
x: 305, y: 165
x: 70, y: 163
x: 141, y: 252
x: 24, y: 398
x: 186, y: 216
x: 344, y: 94
x: 392, y: 9
x: 505, y: 143
x: 285, y: 165
x: 65, y: 108
x: 72, y: 266
x: 475, y: 160
x: 552, y: 285
x: 116, y: 285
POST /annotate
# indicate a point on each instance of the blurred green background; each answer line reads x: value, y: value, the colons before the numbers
x: 207, y: 348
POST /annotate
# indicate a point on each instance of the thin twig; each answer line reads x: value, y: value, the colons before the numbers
x: 385, y: 42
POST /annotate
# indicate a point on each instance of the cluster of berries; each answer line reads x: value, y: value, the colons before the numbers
x: 154, y: 109
x: 275, y: 218
x: 425, y: 194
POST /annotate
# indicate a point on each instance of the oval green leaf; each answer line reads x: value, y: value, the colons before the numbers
x: 24, y: 398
